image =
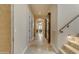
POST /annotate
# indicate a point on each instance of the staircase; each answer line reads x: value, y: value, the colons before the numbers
x: 71, y: 47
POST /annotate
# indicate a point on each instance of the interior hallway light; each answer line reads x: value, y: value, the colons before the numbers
x: 69, y: 37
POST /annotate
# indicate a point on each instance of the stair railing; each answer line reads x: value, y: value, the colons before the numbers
x: 67, y: 25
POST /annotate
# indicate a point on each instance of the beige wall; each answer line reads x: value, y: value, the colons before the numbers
x: 54, y: 31
x: 5, y: 28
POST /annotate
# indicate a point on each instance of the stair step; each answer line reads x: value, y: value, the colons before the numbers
x: 67, y: 50
x: 74, y: 42
x: 76, y: 39
x: 74, y: 45
x: 62, y: 51
x: 71, y: 48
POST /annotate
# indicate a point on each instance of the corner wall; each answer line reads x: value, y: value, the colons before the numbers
x: 53, y: 11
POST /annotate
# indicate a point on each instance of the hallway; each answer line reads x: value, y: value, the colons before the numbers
x: 39, y: 29
x: 40, y: 41
x: 39, y: 45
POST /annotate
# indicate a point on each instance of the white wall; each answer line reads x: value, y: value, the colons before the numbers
x: 65, y: 14
x: 21, y: 27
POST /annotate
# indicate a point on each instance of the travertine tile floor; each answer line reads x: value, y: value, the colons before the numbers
x: 39, y: 45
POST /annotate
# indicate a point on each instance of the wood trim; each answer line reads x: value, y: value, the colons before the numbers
x: 12, y: 28
x: 45, y: 28
x: 49, y: 16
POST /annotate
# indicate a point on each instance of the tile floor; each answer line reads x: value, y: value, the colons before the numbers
x: 39, y: 45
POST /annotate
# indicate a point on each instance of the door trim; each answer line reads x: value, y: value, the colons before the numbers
x: 12, y: 29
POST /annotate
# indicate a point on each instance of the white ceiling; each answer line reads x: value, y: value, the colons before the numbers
x: 40, y: 9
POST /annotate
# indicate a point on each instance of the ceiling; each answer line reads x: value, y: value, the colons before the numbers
x: 40, y: 9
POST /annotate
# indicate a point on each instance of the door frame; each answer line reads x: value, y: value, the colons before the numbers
x: 12, y: 28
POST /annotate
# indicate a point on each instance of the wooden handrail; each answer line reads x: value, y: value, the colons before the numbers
x: 67, y: 25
